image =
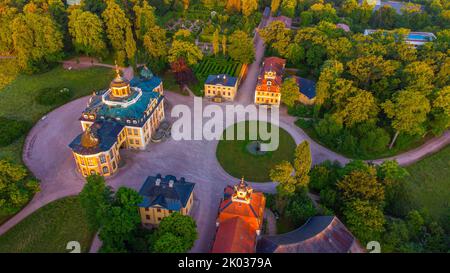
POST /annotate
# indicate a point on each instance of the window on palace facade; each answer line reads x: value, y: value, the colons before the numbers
x: 102, y: 159
x: 138, y: 142
x: 105, y: 170
x: 147, y: 217
x: 135, y: 131
x: 159, y: 218
x: 158, y: 210
x: 131, y: 141
x: 114, y: 165
x: 92, y: 172
x: 129, y: 131
x: 111, y: 155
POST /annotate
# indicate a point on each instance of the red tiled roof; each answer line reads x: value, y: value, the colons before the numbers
x: 234, y: 236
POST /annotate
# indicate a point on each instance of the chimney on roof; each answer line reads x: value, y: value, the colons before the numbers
x: 171, y: 184
x: 158, y: 182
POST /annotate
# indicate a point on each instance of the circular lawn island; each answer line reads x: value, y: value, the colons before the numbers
x: 238, y: 158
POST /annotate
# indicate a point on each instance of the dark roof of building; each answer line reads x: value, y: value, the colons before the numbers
x: 222, y: 79
x: 104, y: 131
x: 320, y: 234
x: 306, y: 87
x: 157, y: 191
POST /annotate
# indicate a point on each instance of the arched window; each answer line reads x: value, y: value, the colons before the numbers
x: 105, y: 170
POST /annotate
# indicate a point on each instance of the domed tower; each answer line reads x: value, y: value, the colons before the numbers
x: 120, y: 87
x: 88, y: 139
x: 242, y: 192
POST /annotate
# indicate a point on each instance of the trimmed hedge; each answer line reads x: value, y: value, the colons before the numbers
x: 11, y: 130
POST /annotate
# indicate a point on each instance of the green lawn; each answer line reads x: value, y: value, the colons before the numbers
x: 18, y: 99
x: 49, y: 229
x: 234, y: 157
x: 429, y: 184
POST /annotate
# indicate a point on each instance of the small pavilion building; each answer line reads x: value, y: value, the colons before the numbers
x: 221, y: 87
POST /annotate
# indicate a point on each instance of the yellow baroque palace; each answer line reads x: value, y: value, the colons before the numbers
x: 123, y: 116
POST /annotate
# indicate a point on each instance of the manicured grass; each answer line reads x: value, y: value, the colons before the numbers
x: 49, y: 229
x: 234, y: 157
x: 429, y: 183
x: 18, y: 99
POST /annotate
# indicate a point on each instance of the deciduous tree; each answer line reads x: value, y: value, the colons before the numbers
x: 86, y: 30
x: 241, y: 47
x: 408, y: 111
x: 290, y: 92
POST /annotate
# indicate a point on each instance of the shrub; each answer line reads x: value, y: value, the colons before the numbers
x: 300, y: 208
x: 54, y: 96
x: 11, y: 130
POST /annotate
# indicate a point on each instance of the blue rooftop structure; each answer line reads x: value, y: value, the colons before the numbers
x: 222, y: 79
x: 168, y: 192
x: 138, y: 101
x: 307, y: 87
x: 104, y: 134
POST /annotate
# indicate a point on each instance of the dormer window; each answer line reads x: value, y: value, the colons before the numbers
x: 269, y: 83
x: 134, y: 122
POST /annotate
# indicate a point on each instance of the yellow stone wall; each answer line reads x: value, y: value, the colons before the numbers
x: 226, y: 92
x: 271, y: 98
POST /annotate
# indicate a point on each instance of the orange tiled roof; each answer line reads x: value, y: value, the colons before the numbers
x: 252, y: 213
x: 239, y: 219
x: 234, y: 236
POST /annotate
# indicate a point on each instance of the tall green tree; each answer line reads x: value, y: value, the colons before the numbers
x: 182, y: 230
x: 283, y: 174
x: 95, y: 199
x: 290, y: 92
x: 86, y: 30
x: 119, y: 220
x: 274, y: 6
x: 241, y: 47
x: 145, y: 19
x: 249, y: 7
x: 155, y: 42
x: 302, y: 163
x: 15, y: 188
x: 277, y: 36
x: 7, y: 15
x: 215, y: 42
x: 118, y: 30
x: 408, y: 111
x: 37, y: 41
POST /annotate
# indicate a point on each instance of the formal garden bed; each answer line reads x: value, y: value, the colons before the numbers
x: 212, y: 65
x: 236, y: 160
